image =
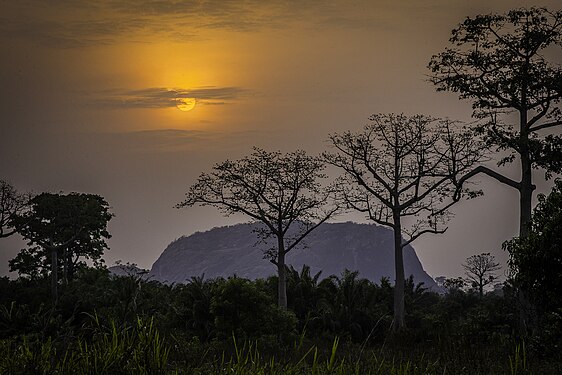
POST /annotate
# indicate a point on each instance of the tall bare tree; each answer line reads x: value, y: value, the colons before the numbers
x: 281, y: 191
x: 481, y: 271
x: 12, y: 204
x: 499, y: 62
x: 399, y: 171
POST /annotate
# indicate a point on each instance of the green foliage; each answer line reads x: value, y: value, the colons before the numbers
x: 125, y: 350
x: 240, y: 307
x: 303, y: 291
x: 72, y: 225
x: 132, y: 350
x: 190, y: 309
x: 536, y: 266
x: 536, y: 261
x: 126, y: 325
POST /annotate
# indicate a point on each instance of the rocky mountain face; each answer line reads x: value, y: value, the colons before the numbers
x: 331, y: 248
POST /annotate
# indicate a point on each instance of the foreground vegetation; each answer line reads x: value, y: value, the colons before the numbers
x: 339, y: 325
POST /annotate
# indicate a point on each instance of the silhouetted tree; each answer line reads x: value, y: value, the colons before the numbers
x: 403, y: 167
x: 453, y: 284
x: 480, y: 270
x: 12, y: 203
x: 192, y: 306
x: 536, y: 260
x: 282, y: 191
x: 498, y: 61
x: 70, y: 227
x: 302, y: 289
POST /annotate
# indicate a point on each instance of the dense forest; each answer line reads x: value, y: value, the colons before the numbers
x: 67, y: 314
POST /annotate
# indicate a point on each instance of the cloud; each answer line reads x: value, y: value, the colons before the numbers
x: 159, y: 97
x: 82, y: 23
x: 65, y: 23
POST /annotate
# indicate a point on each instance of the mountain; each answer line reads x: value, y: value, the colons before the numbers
x: 332, y: 247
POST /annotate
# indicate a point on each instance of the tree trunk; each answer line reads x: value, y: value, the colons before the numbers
x: 481, y: 288
x: 65, y: 266
x: 54, y: 276
x: 526, y: 187
x: 525, y: 196
x: 399, y: 280
x: 281, y: 274
x: 525, y: 214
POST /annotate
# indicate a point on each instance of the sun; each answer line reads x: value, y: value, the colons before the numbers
x: 185, y: 104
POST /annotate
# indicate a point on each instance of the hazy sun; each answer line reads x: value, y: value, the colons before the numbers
x: 185, y: 104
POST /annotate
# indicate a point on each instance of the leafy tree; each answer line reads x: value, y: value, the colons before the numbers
x: 70, y: 228
x: 402, y: 168
x: 282, y: 191
x: 453, y: 284
x: 12, y: 204
x: 499, y: 62
x: 480, y: 270
x: 536, y: 260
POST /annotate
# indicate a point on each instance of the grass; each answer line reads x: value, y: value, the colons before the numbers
x: 112, y: 350
x: 140, y: 349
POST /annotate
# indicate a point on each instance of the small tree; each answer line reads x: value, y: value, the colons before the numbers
x: 59, y: 227
x: 401, y: 169
x: 453, y: 284
x: 12, y: 204
x: 281, y: 191
x: 480, y: 271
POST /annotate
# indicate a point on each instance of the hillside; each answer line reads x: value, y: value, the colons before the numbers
x: 331, y: 248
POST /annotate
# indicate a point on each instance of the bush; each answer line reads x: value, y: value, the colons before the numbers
x: 239, y: 307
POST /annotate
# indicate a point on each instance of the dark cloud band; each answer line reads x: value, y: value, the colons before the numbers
x: 158, y: 97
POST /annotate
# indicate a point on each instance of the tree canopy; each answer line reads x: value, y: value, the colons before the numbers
x: 481, y: 270
x: 499, y: 62
x: 70, y: 227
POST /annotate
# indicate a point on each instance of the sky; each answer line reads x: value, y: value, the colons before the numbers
x: 92, y: 94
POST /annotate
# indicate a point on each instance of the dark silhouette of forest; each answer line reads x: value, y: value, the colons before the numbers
x: 66, y: 314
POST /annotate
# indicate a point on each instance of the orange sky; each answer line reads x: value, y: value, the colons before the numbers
x: 89, y: 93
